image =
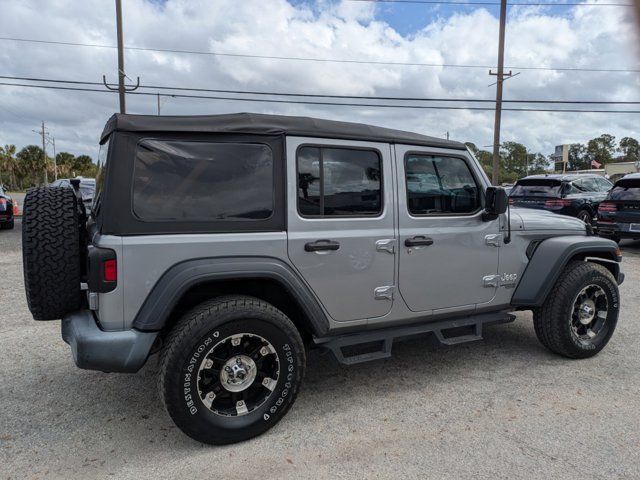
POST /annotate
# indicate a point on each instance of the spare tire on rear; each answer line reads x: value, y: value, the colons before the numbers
x: 51, y: 252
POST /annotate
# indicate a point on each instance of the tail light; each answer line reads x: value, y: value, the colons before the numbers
x: 556, y: 203
x: 3, y: 204
x: 102, y: 269
x: 110, y: 270
x: 607, y: 207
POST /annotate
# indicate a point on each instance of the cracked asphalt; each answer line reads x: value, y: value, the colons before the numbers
x: 503, y: 407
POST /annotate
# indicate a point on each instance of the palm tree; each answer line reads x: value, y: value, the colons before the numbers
x: 8, y: 163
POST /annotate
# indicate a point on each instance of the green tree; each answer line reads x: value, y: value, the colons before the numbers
x: 515, y: 159
x: 30, y: 166
x: 601, y: 149
x: 8, y: 164
x: 83, y: 166
x: 578, y: 159
x: 65, y: 162
x: 537, y: 164
x: 630, y: 149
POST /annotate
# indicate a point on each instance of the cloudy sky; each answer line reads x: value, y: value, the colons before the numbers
x: 598, y: 37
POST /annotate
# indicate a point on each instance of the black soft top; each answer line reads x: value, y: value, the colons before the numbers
x: 259, y: 124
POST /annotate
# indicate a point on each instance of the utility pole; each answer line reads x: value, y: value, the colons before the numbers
x: 158, y: 103
x: 122, y: 89
x: 121, y: 74
x: 500, y: 79
x: 44, y: 153
x: 55, y: 160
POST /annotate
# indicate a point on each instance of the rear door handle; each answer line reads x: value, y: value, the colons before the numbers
x: 418, y: 241
x: 321, y: 245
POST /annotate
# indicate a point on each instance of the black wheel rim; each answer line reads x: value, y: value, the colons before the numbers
x: 238, y: 374
x: 589, y: 314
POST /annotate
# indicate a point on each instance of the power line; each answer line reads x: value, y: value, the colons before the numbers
x: 316, y: 95
x: 340, y: 104
x: 525, y: 4
x: 325, y: 60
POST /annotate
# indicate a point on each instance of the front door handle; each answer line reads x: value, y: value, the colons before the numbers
x: 418, y: 241
x: 321, y: 245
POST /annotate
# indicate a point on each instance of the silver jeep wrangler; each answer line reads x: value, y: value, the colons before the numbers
x: 230, y: 244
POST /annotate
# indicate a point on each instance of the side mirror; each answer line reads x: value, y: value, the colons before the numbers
x: 496, y: 203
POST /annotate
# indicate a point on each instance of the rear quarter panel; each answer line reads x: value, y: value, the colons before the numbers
x: 143, y: 259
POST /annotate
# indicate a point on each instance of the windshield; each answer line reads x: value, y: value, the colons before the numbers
x: 537, y: 188
x: 626, y: 190
x: 102, y: 169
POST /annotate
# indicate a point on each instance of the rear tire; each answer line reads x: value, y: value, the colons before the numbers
x: 256, y: 344
x: 580, y: 314
x: 585, y: 216
x: 51, y: 252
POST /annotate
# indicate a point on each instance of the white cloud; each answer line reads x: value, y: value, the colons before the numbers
x: 585, y: 36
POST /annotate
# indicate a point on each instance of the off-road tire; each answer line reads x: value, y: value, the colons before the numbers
x: 188, y: 346
x: 51, y: 252
x: 552, y: 321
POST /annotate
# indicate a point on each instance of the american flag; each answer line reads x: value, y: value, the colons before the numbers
x: 595, y: 164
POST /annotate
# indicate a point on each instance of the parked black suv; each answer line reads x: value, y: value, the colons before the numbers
x: 576, y: 195
x: 619, y: 214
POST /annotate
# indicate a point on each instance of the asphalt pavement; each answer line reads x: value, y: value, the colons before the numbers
x: 503, y: 407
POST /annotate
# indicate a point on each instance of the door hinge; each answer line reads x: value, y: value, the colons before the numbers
x: 92, y: 298
x: 386, y: 245
x: 384, y: 293
x: 494, y: 239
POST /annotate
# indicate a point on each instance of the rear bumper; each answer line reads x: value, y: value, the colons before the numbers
x: 614, y: 230
x: 94, y: 349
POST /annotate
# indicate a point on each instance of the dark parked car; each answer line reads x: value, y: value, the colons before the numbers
x: 6, y: 210
x: 576, y: 195
x: 87, y: 189
x: 619, y: 214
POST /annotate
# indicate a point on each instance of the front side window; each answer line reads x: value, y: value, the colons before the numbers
x: 335, y: 182
x: 440, y: 185
x: 202, y: 181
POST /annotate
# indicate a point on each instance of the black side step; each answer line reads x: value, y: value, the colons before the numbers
x: 385, y: 337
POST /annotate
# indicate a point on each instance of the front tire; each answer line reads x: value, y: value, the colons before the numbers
x: 580, y: 314
x: 230, y: 369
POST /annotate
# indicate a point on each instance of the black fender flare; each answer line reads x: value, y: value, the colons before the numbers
x: 549, y: 259
x: 179, y: 278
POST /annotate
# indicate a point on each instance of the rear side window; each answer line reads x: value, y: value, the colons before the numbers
x: 334, y: 182
x: 440, y: 185
x: 603, y: 184
x: 536, y: 188
x: 202, y: 181
x: 626, y: 190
